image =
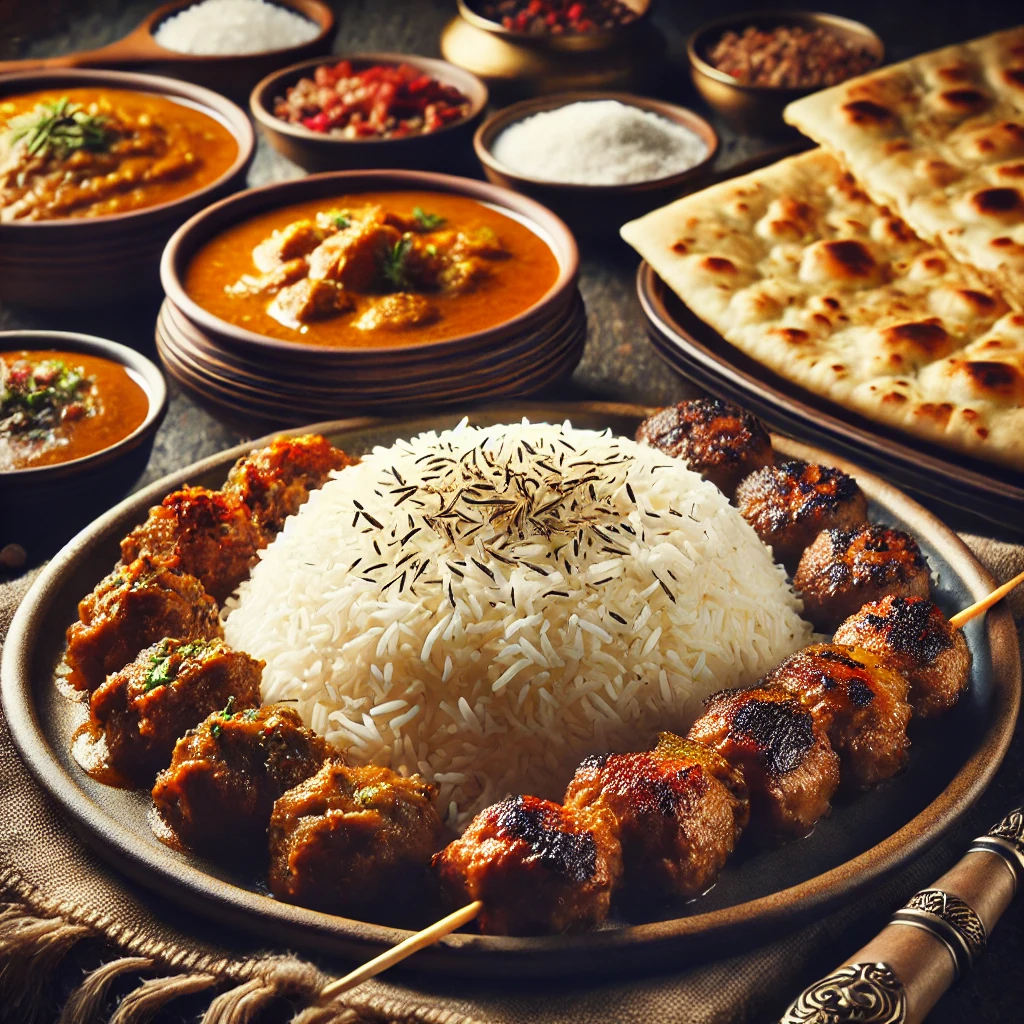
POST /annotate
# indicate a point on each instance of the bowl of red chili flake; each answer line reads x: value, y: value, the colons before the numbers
x: 369, y: 110
x: 557, y: 24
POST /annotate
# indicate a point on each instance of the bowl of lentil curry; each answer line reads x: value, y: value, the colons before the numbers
x: 97, y: 169
x: 748, y: 67
x: 77, y: 419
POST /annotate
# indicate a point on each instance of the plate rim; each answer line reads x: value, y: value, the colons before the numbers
x: 587, y: 952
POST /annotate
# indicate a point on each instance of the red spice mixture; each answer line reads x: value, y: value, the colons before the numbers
x: 554, y: 17
x: 383, y: 101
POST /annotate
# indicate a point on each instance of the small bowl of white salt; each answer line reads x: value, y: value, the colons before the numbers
x: 229, y: 45
x: 596, y: 158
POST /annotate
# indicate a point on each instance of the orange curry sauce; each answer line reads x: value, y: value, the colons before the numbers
x: 115, y: 406
x: 513, y: 283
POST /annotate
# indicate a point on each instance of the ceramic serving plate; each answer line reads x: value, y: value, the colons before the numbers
x: 965, y: 488
x: 758, y: 895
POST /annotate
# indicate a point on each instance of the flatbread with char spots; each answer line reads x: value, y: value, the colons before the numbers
x: 940, y: 140
x: 799, y: 269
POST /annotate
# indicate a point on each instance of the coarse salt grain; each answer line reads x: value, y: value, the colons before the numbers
x: 598, y: 142
x: 223, y: 27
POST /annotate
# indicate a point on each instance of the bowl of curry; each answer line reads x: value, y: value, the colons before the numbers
x: 78, y: 415
x: 97, y: 169
x: 374, y: 288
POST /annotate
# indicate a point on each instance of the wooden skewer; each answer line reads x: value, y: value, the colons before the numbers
x: 985, y: 603
x: 437, y: 931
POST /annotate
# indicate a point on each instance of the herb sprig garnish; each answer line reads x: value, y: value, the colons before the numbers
x: 36, y: 398
x: 427, y: 221
x: 61, y: 127
x: 393, y: 266
x: 165, y: 663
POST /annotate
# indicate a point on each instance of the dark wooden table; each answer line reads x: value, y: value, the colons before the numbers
x: 619, y: 363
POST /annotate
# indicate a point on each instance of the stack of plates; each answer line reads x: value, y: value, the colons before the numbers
x: 294, y: 384
x: 253, y: 376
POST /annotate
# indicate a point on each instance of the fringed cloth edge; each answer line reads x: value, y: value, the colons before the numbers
x: 36, y: 933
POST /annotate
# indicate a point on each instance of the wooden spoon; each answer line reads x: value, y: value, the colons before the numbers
x: 237, y: 71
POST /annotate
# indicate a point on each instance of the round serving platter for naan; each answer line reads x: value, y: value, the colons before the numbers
x: 759, y: 895
x: 964, y: 487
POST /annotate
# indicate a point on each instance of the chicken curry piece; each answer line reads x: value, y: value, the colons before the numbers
x: 375, y: 269
x: 97, y: 152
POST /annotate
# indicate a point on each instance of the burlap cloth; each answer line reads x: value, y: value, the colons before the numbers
x: 79, y: 941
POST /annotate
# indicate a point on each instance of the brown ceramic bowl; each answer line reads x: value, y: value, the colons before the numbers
x: 230, y: 74
x: 757, y: 109
x: 112, y: 259
x: 602, y: 39
x: 284, y: 380
x: 54, y: 501
x: 315, y: 151
x: 594, y: 209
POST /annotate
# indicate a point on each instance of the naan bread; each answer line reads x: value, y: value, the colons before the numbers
x: 797, y: 267
x: 940, y: 140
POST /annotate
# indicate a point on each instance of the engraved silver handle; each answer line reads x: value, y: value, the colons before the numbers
x: 901, y: 973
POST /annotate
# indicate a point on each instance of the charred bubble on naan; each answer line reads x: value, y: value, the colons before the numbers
x: 940, y: 140
x: 796, y: 266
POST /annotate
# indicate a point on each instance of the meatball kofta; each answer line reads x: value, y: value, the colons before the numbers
x: 790, y: 503
x: 353, y: 840
x: 147, y: 706
x: 537, y: 866
x: 715, y: 438
x: 787, y: 761
x: 209, y: 534
x: 859, y: 702
x: 912, y: 636
x: 676, y: 821
x: 276, y: 481
x: 133, y: 607
x: 225, y: 775
x: 844, y: 569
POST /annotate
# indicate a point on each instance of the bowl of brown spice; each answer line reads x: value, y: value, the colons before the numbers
x: 749, y: 66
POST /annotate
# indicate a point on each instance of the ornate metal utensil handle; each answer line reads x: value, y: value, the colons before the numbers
x: 940, y: 933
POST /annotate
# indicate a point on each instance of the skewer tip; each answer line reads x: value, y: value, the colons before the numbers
x: 427, y: 937
x: 982, y: 606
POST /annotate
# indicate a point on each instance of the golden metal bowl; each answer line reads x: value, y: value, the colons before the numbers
x: 757, y: 109
x: 601, y: 40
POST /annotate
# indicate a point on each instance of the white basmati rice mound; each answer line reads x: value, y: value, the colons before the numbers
x: 487, y: 606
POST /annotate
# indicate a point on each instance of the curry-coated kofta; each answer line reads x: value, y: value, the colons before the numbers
x: 787, y: 761
x: 912, y: 636
x: 276, y: 481
x: 218, y: 793
x: 844, y: 569
x: 676, y: 819
x: 353, y: 840
x: 715, y: 438
x: 537, y: 866
x: 131, y: 608
x: 209, y: 534
x: 147, y: 706
x: 790, y: 503
x: 858, y: 701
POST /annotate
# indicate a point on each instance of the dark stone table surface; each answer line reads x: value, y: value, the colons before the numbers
x: 619, y: 363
